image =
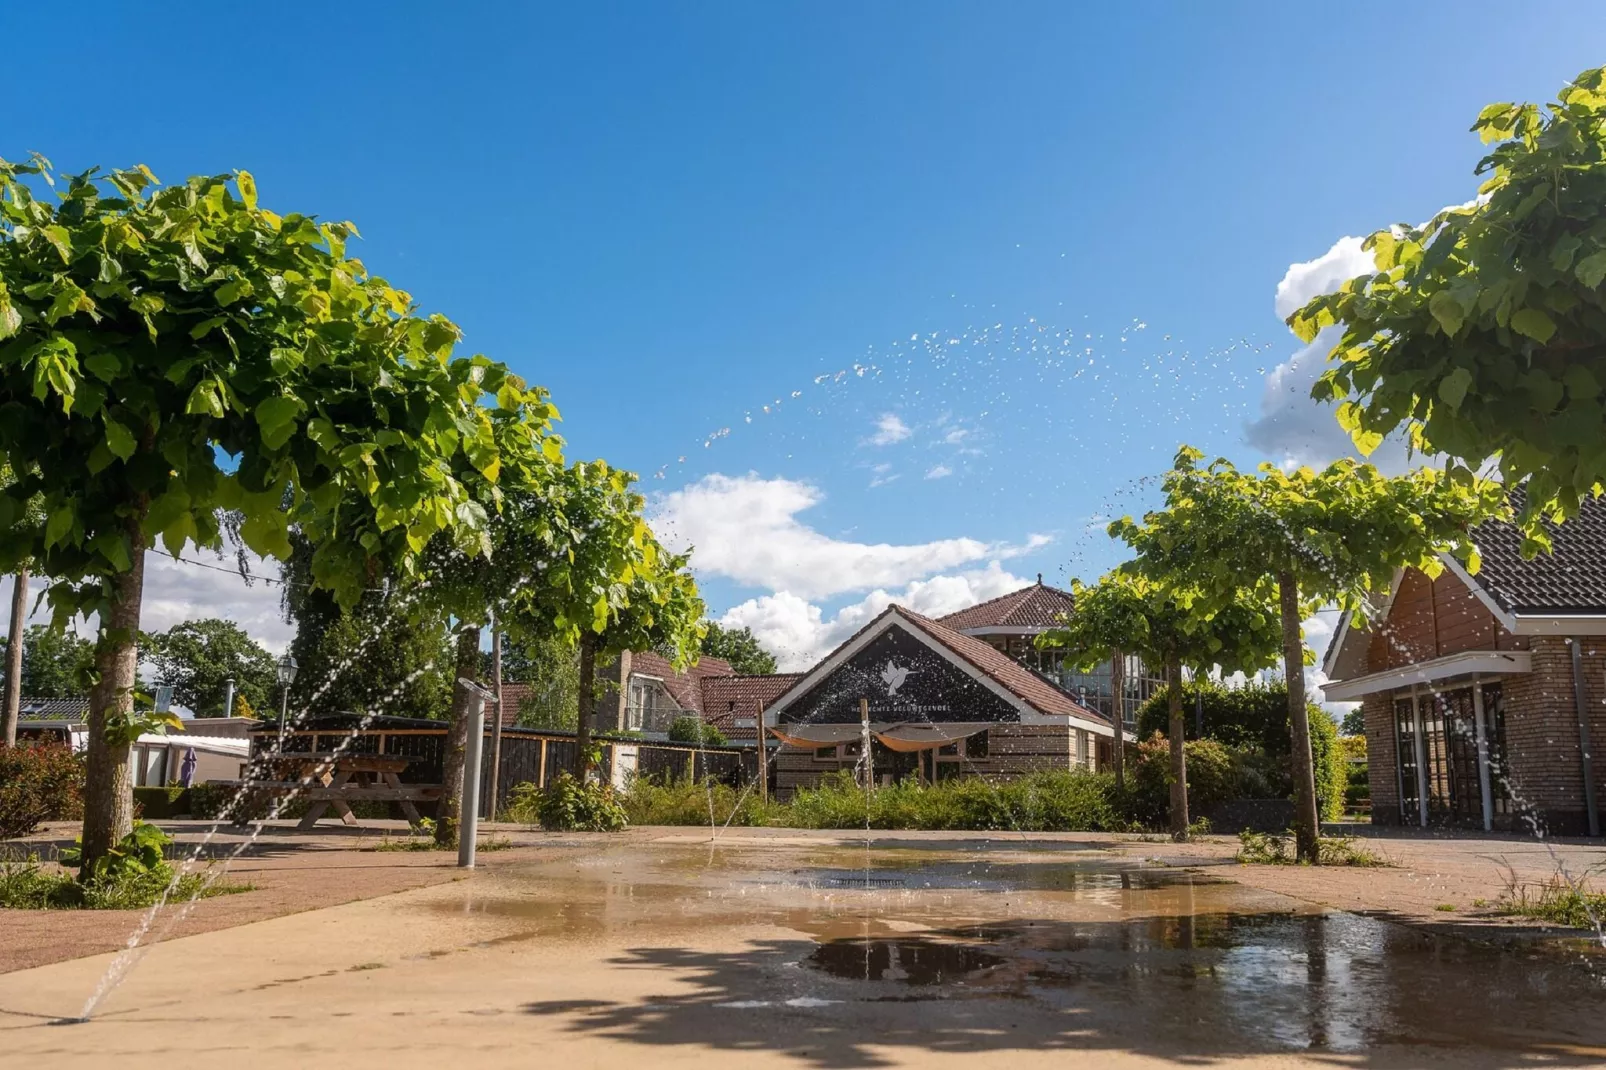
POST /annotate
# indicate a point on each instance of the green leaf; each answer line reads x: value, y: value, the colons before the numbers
x: 119, y: 439
x: 103, y: 365
x: 60, y: 238
x: 58, y: 525
x: 1447, y: 311
x: 276, y: 416
x: 1591, y: 269
x: 248, y: 189
x: 204, y: 400
x: 1533, y: 323
x: 1453, y: 387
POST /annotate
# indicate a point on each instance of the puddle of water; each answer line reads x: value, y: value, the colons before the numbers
x: 1123, y: 948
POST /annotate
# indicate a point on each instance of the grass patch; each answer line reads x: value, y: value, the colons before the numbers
x: 1559, y: 900
x: 31, y: 885
x: 1271, y: 849
x: 1447, y: 908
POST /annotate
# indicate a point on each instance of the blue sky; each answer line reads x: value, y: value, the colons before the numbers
x: 1050, y: 235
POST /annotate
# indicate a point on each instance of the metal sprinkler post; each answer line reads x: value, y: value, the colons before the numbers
x: 468, y: 825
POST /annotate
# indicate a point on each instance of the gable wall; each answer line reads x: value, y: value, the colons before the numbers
x: 1434, y: 618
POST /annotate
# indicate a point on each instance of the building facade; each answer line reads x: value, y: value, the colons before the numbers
x: 1011, y: 624
x: 1483, y: 694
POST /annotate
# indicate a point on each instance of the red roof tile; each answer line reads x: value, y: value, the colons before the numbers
x: 1029, y: 609
x: 684, y: 687
x: 726, y: 698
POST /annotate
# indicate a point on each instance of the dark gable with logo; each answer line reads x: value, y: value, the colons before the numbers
x: 905, y: 680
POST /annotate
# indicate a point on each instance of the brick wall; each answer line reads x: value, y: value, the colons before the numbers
x: 1381, y: 759
x: 1546, y: 767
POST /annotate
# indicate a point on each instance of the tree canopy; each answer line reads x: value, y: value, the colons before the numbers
x: 1132, y: 613
x: 196, y: 657
x: 171, y: 356
x: 56, y: 663
x: 1480, y: 331
x: 1341, y: 532
x: 740, y: 647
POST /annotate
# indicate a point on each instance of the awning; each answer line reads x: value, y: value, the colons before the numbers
x: 1467, y: 663
x: 893, y: 736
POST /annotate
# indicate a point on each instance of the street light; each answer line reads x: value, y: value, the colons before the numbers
x: 286, y: 670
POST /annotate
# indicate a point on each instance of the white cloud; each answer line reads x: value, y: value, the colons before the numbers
x: 890, y: 428
x: 941, y: 471
x: 746, y: 528
x: 800, y: 633
x: 177, y: 591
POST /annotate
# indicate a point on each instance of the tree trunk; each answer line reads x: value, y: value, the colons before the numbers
x: 496, y: 726
x: 449, y: 814
x: 1179, y: 756
x: 588, y: 704
x: 1118, y: 751
x: 13, y: 697
x: 1307, y: 827
x: 108, y: 787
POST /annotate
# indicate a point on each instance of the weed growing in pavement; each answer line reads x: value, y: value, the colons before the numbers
x: 1271, y: 849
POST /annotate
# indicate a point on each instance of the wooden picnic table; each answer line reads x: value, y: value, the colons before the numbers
x: 328, y: 779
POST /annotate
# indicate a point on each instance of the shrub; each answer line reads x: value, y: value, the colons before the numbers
x: 158, y: 803
x: 38, y: 783
x: 1049, y: 800
x: 685, y: 802
x: 1212, y: 778
x: 690, y: 728
x: 1329, y: 765
x: 567, y: 805
x: 132, y: 876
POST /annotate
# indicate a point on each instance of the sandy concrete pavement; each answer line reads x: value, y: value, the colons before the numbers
x: 656, y: 947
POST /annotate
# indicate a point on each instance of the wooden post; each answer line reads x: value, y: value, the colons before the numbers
x: 763, y: 757
x: 540, y: 777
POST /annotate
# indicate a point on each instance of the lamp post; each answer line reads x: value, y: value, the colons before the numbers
x: 286, y: 671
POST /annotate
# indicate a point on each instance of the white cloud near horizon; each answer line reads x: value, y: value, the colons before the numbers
x: 746, y: 528
x: 177, y: 591
x: 799, y: 633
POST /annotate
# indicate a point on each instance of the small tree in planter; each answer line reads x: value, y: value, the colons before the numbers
x: 1127, y: 611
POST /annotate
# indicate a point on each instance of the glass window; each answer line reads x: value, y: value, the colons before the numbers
x: 825, y: 754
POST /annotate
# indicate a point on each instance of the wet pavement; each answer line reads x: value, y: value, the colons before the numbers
x: 805, y: 953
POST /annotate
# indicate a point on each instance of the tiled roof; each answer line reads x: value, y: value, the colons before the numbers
x: 49, y: 708
x: 1570, y: 579
x: 726, y: 698
x: 1016, y: 678
x: 1032, y: 689
x: 1029, y: 609
x: 684, y: 687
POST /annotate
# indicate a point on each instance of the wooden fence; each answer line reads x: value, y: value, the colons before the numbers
x: 528, y: 756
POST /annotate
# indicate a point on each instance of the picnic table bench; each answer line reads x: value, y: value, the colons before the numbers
x: 327, y: 779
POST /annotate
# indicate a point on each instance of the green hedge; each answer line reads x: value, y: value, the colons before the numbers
x: 154, y: 804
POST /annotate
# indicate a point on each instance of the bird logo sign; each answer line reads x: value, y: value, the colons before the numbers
x: 893, y: 675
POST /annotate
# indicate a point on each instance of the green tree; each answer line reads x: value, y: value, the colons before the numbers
x: 56, y: 662
x: 1129, y: 612
x: 166, y: 356
x: 1354, y: 723
x: 550, y: 667
x: 196, y: 657
x: 1335, y: 536
x: 11, y: 672
x: 740, y: 647
x: 1480, y: 332
x: 384, y: 654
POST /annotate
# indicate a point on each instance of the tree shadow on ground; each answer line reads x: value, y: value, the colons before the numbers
x: 1191, y: 990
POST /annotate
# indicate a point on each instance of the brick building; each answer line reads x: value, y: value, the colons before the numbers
x: 939, y: 703
x: 1482, y: 693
